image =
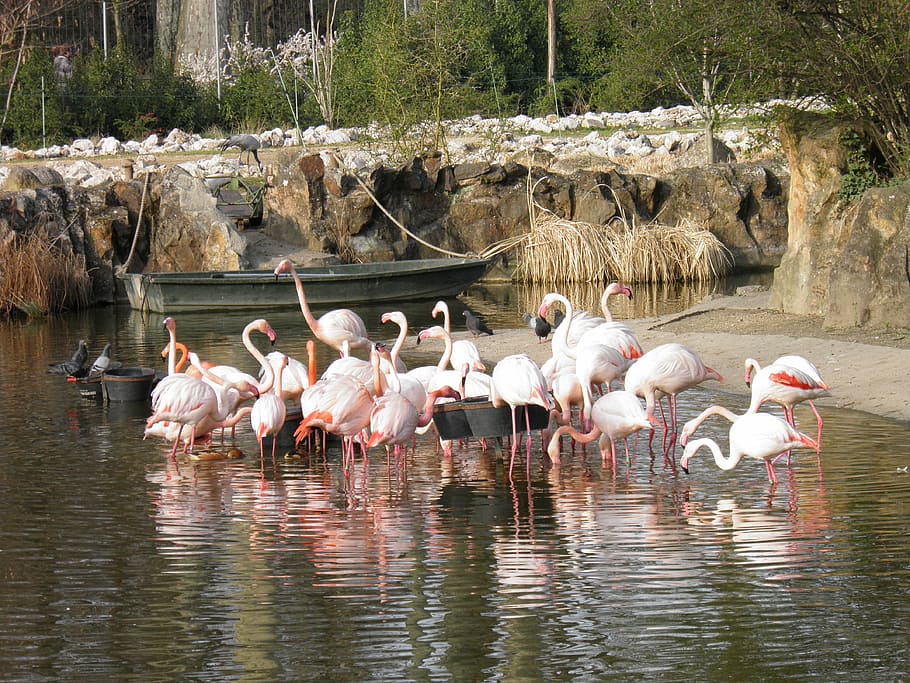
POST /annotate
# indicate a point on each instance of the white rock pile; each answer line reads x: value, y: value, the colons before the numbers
x: 611, y: 136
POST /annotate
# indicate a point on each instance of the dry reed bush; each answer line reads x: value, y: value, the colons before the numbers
x: 38, y: 278
x: 560, y: 250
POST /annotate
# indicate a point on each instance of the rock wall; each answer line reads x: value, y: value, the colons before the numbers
x: 847, y: 265
x: 467, y: 207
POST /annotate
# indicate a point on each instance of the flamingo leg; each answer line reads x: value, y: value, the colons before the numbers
x: 514, y: 442
x: 772, y: 477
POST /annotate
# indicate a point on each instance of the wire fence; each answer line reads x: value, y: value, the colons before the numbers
x: 84, y: 25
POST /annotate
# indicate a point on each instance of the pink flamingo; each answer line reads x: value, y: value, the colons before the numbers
x: 596, y: 365
x: 518, y: 381
x: 667, y: 370
x: 401, y: 320
x: 463, y: 350
x: 295, y: 377
x: 188, y: 401
x: 394, y: 419
x: 614, y: 416
x: 335, y: 327
x: 341, y: 406
x: 787, y: 381
x: 269, y: 411
x: 754, y: 435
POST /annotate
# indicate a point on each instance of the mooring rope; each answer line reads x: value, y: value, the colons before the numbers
x: 126, y: 264
x: 491, y: 251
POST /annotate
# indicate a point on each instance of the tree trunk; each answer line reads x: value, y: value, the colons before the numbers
x: 196, y: 26
x: 167, y: 19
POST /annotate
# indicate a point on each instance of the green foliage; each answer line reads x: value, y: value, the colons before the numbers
x: 254, y: 97
x: 437, y: 64
x: 23, y: 124
x: 861, y: 173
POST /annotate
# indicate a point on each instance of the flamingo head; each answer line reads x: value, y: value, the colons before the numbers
x: 385, y: 317
x: 283, y: 267
x: 263, y: 326
x: 169, y: 324
x: 440, y: 307
x: 616, y: 288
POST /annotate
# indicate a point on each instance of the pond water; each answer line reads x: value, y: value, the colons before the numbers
x: 119, y: 564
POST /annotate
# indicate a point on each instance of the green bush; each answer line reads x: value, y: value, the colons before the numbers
x: 254, y: 99
x: 23, y: 126
x: 864, y: 170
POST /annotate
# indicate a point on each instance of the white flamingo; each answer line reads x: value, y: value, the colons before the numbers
x: 614, y: 416
x: 517, y: 381
x: 335, y: 328
x: 761, y: 436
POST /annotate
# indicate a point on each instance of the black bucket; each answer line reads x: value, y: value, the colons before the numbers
x: 477, y: 417
x: 128, y: 384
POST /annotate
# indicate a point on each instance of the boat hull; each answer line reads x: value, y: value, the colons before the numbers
x: 324, y: 285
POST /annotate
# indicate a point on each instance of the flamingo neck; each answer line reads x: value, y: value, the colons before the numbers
x: 443, y: 307
x: 723, y: 462
x: 604, y: 304
x: 560, y: 341
x: 399, y: 342
x: 268, y: 376
x: 311, y: 361
x: 446, y: 354
x: 172, y: 352
x: 304, y: 306
x: 714, y: 410
x: 752, y: 366
x: 580, y: 437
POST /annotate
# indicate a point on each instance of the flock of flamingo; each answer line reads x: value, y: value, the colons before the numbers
x: 379, y: 402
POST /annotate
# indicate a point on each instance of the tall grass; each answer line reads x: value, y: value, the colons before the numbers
x: 560, y: 250
x: 37, y: 277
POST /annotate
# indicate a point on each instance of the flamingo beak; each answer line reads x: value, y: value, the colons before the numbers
x: 627, y: 292
x: 684, y: 468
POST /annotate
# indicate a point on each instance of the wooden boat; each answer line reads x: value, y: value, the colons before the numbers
x: 344, y: 284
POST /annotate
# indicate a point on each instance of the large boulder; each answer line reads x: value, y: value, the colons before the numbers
x: 744, y: 205
x: 868, y: 279
x: 190, y: 233
x: 846, y: 264
x: 817, y: 162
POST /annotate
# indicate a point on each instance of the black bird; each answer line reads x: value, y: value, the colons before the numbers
x: 475, y: 325
x: 245, y: 143
x: 558, y: 317
x: 74, y: 364
x: 540, y: 326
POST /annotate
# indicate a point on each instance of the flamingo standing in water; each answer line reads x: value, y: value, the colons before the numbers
x: 269, y: 411
x: 338, y: 405
x: 787, y: 381
x: 337, y: 327
x: 754, y: 435
x: 395, y: 419
x: 667, y: 370
x: 614, y: 416
x: 187, y: 401
x: 518, y: 381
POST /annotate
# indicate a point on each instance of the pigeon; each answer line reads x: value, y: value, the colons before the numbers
x: 74, y: 364
x: 540, y: 326
x: 475, y: 325
x: 102, y: 362
x: 558, y: 317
